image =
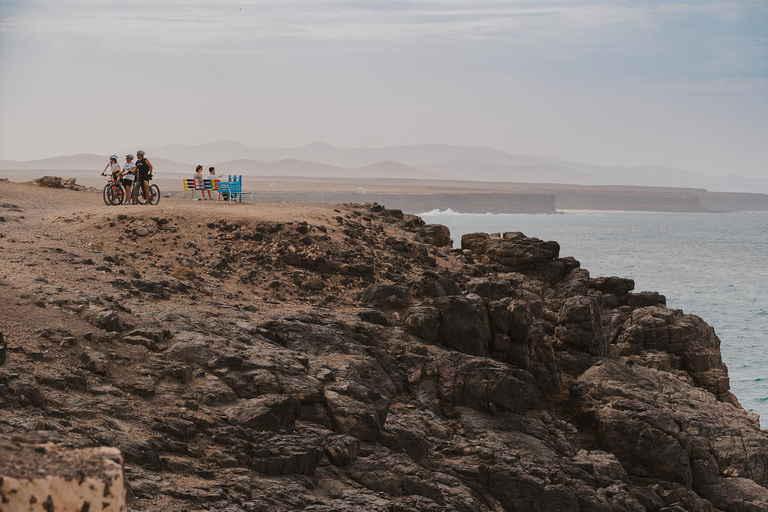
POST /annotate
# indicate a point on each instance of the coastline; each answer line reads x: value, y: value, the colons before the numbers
x: 417, y: 195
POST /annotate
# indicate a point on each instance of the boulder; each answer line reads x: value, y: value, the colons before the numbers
x: 645, y: 299
x: 617, y: 286
x: 285, y: 455
x: 269, y: 412
x: 463, y: 323
x: 352, y: 417
x: 47, y: 477
x: 475, y: 242
x: 490, y: 288
x: 374, y: 317
x: 95, y: 361
x: 485, y: 385
x: 692, y: 342
x: 580, y: 327
x: 59, y: 182
x: 341, y: 450
x: 662, y: 429
x: 389, y: 295
x: 435, y: 234
x: 423, y: 321
x: 513, y: 254
x: 106, y: 319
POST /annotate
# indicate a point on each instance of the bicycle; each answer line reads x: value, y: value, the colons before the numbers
x: 113, y: 193
x: 140, y: 198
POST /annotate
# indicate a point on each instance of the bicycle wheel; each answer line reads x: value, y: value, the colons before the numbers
x: 115, y: 195
x: 154, y: 194
x: 105, y: 193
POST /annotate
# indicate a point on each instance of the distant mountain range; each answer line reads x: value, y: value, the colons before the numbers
x: 428, y: 161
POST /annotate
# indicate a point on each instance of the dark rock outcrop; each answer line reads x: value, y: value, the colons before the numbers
x: 499, y: 377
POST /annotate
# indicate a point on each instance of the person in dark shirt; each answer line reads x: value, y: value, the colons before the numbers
x: 143, y: 173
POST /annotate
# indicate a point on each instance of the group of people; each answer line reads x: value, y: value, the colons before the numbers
x: 199, y: 176
x: 139, y: 172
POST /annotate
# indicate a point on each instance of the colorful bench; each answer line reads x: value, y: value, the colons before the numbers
x: 192, y: 185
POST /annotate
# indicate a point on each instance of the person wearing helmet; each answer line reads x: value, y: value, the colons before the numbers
x: 129, y: 171
x: 114, y: 167
x: 143, y: 175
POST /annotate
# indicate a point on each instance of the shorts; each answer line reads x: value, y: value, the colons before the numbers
x: 127, y: 183
x: 143, y: 177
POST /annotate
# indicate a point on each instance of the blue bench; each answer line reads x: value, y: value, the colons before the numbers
x: 233, y: 188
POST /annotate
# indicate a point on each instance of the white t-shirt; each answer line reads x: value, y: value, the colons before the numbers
x: 114, y: 167
x: 129, y: 168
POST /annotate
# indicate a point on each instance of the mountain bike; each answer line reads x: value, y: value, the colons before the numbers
x: 139, y: 197
x: 113, y: 193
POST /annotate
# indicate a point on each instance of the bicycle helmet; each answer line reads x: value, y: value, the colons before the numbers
x: 129, y: 156
x: 140, y: 152
x: 113, y: 156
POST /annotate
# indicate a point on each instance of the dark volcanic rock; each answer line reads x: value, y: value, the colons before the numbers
x: 435, y: 234
x: 268, y: 412
x: 580, y: 327
x: 515, y: 253
x: 662, y: 429
x: 498, y: 377
x: 617, y: 286
x: 463, y: 323
x: 688, y: 342
x: 352, y: 417
x: 644, y: 299
x: 389, y: 295
x: 423, y: 321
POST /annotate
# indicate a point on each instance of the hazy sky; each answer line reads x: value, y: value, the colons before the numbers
x: 681, y: 83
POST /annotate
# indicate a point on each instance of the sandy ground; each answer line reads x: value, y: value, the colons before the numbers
x: 53, y: 242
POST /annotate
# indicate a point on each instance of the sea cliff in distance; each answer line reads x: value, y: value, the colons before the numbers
x: 421, y: 178
x: 416, y: 196
x: 286, y: 356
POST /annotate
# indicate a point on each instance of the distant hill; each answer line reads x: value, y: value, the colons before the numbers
x: 87, y: 162
x: 467, y: 163
x: 286, y: 167
x: 293, y: 167
x: 416, y: 156
x: 425, y: 161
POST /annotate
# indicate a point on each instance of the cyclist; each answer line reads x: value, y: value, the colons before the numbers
x: 129, y: 171
x: 114, y: 167
x: 143, y: 175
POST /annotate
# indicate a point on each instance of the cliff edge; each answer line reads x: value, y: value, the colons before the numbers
x: 281, y: 357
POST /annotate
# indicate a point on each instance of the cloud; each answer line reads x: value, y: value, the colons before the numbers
x: 195, y: 24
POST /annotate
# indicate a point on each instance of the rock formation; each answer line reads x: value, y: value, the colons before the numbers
x: 47, y: 477
x: 358, y: 362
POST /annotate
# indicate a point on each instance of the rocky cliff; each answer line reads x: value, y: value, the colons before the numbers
x: 257, y: 359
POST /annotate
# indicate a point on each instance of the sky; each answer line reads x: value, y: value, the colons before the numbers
x: 680, y: 83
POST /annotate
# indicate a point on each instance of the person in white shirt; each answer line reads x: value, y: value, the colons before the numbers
x: 129, y: 173
x: 113, y: 167
x: 211, y: 176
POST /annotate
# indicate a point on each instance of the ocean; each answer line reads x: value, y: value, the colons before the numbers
x: 713, y: 265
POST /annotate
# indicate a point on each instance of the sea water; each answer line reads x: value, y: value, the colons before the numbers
x: 714, y: 265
